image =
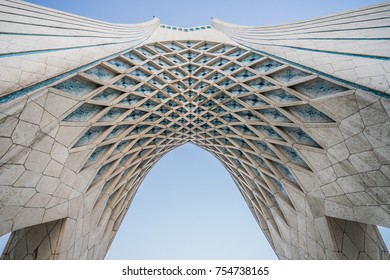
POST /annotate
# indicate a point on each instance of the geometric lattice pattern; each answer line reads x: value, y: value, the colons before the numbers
x: 299, y: 114
x: 246, y: 109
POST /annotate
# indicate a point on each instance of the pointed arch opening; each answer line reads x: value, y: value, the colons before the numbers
x: 188, y: 207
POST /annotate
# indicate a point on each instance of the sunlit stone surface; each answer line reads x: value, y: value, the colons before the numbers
x: 302, y: 125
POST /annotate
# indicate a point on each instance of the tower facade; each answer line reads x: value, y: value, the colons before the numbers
x: 299, y: 114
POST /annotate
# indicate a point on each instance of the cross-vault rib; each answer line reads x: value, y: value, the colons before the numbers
x: 84, y: 120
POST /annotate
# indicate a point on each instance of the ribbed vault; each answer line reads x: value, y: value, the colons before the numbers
x: 248, y: 110
x: 87, y: 108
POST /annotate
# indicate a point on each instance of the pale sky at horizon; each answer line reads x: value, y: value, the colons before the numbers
x: 188, y: 207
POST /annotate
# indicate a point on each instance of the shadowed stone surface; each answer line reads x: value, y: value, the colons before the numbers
x: 302, y: 127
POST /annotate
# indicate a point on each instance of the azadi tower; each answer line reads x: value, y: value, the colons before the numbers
x: 299, y: 114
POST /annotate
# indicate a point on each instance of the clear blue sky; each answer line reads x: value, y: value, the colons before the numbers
x: 188, y: 206
x: 193, y: 13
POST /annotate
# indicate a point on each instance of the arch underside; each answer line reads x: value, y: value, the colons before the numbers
x: 308, y: 151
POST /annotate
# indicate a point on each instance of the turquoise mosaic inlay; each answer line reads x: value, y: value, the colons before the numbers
x: 254, y: 101
x: 237, y: 53
x: 169, y: 93
x: 149, y: 66
x: 229, y: 118
x: 243, y: 75
x: 84, y: 113
x: 231, y: 68
x: 120, y: 64
x: 139, y: 74
x: 219, y: 62
x: 211, y: 90
x: 91, y: 135
x: 112, y: 114
x: 292, y: 154
x: 125, y: 83
x: 250, y: 58
x: 130, y: 100
x: 279, y: 186
x: 145, y: 52
x: 100, y: 73
x: 103, y: 170
x: 76, y: 86
x: 285, y: 172
x: 97, y: 154
x: 133, y: 57
x: 249, y: 116
x: 234, y: 105
x: 273, y: 115
x: 259, y: 83
x: 238, y: 90
x: 190, y: 68
x: 145, y: 89
x: 260, y: 161
x: 263, y: 147
x: 318, y: 88
x: 107, y: 95
x: 300, y: 136
x: 309, y: 114
x: 289, y: 75
x: 162, y: 62
x: 156, y: 82
x: 266, y: 66
x: 268, y: 131
x: 117, y: 131
x: 280, y: 96
x: 120, y: 147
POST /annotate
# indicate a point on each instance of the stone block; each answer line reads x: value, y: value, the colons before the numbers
x: 53, y: 169
x: 338, y: 153
x: 44, y: 251
x: 57, y: 105
x: 374, y: 114
x: 334, y: 208
x: 28, y: 217
x: 44, y: 144
x: 25, y: 133
x: 350, y: 184
x: 375, y: 179
x: 352, y: 125
x: 372, y: 250
x: 59, y: 152
x: 383, y: 154
x: 344, y: 168
x: 62, y: 191
x: 56, y: 212
x: 378, y: 135
x: 39, y: 200
x: 358, y: 144
x: 68, y: 176
x: 47, y: 184
x: 18, y: 196
x: 332, y: 189
x: 349, y: 249
x: 5, y: 144
x: 32, y: 113
x: 365, y: 161
x: 29, y: 179
x: 37, y: 161
x: 10, y: 173
x: 7, y: 126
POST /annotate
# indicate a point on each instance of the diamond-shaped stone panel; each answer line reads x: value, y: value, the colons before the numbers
x: 242, y: 106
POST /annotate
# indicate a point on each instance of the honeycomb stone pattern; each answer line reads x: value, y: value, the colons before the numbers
x: 162, y: 95
x: 87, y: 108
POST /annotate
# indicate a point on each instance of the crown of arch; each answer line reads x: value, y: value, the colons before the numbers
x: 247, y: 109
x: 301, y: 126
